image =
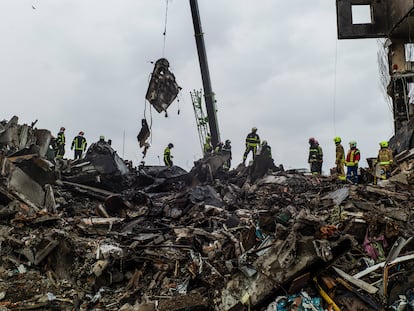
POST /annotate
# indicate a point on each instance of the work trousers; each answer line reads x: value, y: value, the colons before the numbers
x: 78, y: 154
x: 316, y: 167
x: 352, y: 174
x: 340, y: 169
x: 253, y: 149
x: 60, y: 151
x: 168, y: 162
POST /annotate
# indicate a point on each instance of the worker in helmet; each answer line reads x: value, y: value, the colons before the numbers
x: 385, y: 159
x: 252, y: 142
x: 60, y: 143
x: 339, y: 158
x: 352, y: 159
x: 315, y: 156
x: 79, y: 144
x: 263, y: 162
x: 167, y: 155
x: 226, y: 149
x: 208, y: 147
x: 219, y: 147
x: 265, y: 149
x: 320, y: 157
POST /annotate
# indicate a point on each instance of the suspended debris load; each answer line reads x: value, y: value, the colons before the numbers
x: 143, y: 135
x: 162, y: 89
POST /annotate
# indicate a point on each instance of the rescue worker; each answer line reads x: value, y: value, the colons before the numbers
x: 79, y: 144
x: 167, y: 155
x: 208, y: 147
x: 263, y: 162
x: 339, y: 158
x: 266, y: 150
x: 252, y: 142
x: 219, y: 147
x: 351, y: 161
x: 60, y: 144
x: 385, y: 160
x: 314, y: 158
x: 320, y: 157
x: 227, y: 150
x: 101, y: 140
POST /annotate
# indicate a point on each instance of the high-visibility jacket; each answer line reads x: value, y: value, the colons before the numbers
x: 340, y: 154
x: 252, y: 140
x: 353, y: 157
x: 60, y: 139
x: 208, y: 148
x: 385, y: 156
x: 314, y: 153
x: 320, y: 153
x: 226, y: 148
x: 167, y: 156
x: 79, y: 143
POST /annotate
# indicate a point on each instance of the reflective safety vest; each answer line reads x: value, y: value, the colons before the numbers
x: 60, y: 139
x: 79, y: 143
x: 320, y: 153
x: 353, y: 157
x: 252, y: 140
x: 385, y: 156
x: 167, y: 156
x: 314, y: 153
x: 207, y: 147
x: 226, y: 149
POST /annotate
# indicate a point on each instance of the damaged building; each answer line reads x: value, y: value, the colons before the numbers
x: 95, y: 234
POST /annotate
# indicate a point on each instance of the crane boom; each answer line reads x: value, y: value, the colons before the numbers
x: 205, y: 74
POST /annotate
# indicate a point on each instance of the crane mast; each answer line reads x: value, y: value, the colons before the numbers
x: 205, y: 74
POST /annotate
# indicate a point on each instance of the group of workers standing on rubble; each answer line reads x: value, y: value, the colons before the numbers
x: 351, y: 159
x: 382, y: 164
x: 252, y: 143
x: 79, y: 144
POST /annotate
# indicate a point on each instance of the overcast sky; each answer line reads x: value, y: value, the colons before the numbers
x: 276, y: 65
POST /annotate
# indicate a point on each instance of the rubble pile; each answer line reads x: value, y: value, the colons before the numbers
x: 95, y: 234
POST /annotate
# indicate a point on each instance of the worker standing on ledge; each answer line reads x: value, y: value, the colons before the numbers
x: 385, y: 160
x: 252, y: 142
x: 208, y: 147
x: 227, y: 150
x: 340, y: 158
x: 60, y: 144
x: 79, y: 144
x: 167, y: 155
x: 351, y: 161
x: 314, y: 158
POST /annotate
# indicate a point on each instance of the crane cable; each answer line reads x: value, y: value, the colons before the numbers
x: 165, y: 27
